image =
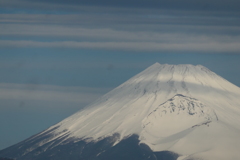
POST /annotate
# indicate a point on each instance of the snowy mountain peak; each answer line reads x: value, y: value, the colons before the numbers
x: 187, y: 69
x: 123, y: 109
x: 179, y: 108
x: 182, y: 69
x: 178, y: 79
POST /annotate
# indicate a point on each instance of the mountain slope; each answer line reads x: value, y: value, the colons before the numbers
x: 185, y: 109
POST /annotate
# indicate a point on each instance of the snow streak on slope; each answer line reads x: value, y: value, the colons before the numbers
x: 181, y: 108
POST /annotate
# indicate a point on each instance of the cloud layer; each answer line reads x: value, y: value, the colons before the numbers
x: 139, y: 26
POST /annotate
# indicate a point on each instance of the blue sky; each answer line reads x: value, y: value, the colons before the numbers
x: 57, y: 56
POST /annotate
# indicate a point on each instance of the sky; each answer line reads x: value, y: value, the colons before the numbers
x: 58, y: 56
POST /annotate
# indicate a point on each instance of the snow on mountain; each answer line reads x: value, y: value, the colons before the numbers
x: 185, y: 109
x: 165, y: 119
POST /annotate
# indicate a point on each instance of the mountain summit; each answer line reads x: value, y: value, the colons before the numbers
x: 172, y: 112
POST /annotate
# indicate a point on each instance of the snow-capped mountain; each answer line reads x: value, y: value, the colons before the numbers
x: 179, y: 112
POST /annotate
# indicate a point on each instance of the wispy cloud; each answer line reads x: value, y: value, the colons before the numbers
x: 51, y: 93
x: 124, y: 19
x: 230, y: 5
x: 103, y: 34
x: 204, y: 47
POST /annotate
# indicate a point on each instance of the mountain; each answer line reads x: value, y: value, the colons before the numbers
x: 166, y: 112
